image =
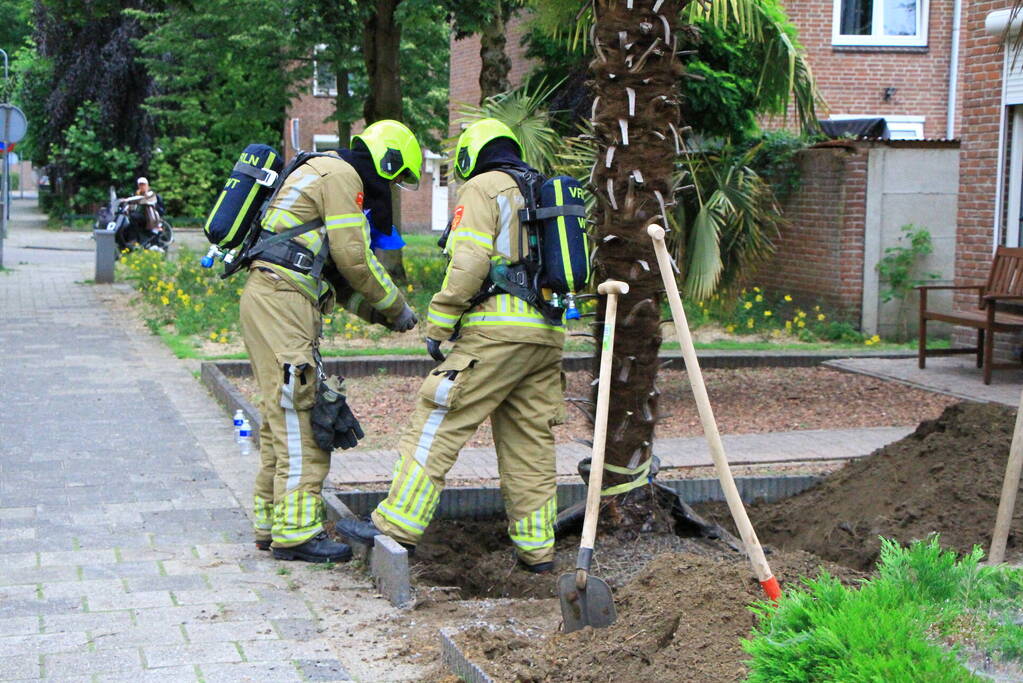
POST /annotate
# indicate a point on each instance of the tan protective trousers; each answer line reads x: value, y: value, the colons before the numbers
x: 519, y: 386
x: 281, y: 327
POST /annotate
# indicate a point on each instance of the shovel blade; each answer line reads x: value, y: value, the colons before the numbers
x: 593, y: 606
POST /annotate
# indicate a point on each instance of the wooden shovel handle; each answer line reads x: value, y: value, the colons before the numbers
x: 1007, y: 502
x: 710, y: 427
x: 612, y: 288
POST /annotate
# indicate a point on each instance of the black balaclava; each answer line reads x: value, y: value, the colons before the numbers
x: 499, y: 153
x: 376, y: 191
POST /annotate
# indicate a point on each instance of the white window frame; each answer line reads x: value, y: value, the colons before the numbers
x: 877, y: 37
x: 900, y: 126
x: 324, y: 141
x: 317, y: 90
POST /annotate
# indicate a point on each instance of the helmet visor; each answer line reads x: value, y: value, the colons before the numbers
x: 407, y: 181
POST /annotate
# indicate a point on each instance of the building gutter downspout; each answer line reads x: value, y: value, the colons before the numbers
x: 953, y: 69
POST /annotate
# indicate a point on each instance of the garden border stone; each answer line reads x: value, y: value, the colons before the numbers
x: 457, y: 662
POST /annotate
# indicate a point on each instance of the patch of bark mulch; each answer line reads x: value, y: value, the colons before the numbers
x: 944, y: 478
x: 749, y: 400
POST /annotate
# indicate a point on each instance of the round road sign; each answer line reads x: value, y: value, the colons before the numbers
x: 12, y: 123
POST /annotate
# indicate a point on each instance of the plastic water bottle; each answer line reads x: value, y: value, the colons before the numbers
x: 210, y: 257
x: 239, y: 418
x: 245, y: 438
x: 571, y: 312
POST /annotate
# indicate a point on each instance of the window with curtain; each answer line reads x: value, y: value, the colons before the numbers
x: 324, y: 79
x: 880, y: 22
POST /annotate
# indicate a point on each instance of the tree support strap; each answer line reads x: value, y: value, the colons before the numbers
x: 641, y: 473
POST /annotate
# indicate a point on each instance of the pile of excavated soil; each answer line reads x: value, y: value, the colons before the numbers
x: 944, y: 478
x: 682, y: 618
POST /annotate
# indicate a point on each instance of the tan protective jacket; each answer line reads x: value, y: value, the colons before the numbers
x: 485, y: 229
x: 330, y: 188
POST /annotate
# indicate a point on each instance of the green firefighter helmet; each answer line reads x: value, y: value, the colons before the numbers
x: 474, y: 138
x: 396, y: 152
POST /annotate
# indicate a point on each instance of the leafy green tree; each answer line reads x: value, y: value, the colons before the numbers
x: 15, y: 31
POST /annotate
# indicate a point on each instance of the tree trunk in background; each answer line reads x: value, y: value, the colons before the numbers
x: 344, y: 127
x: 382, y: 43
x: 637, y: 126
x: 495, y: 64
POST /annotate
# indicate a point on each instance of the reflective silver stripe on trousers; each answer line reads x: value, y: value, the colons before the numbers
x: 292, y: 429
x: 426, y: 437
x: 503, y: 242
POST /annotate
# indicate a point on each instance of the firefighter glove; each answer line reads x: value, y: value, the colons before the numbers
x: 334, y: 425
x: 433, y: 348
x: 405, y: 321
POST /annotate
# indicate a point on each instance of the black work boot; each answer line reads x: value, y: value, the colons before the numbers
x: 318, y: 549
x: 363, y: 531
x: 538, y: 568
x: 263, y: 543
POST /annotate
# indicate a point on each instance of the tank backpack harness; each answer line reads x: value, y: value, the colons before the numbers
x: 234, y: 224
x: 556, y: 254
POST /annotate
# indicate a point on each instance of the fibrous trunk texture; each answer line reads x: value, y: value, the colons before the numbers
x: 495, y: 65
x: 636, y: 122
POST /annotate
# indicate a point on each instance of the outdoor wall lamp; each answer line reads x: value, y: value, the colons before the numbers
x: 889, y: 93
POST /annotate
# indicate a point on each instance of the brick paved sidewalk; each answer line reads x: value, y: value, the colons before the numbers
x: 124, y: 551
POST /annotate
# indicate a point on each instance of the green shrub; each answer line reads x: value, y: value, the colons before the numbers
x: 188, y: 175
x: 892, y: 627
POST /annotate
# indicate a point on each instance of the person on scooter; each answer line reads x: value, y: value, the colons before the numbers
x: 145, y: 210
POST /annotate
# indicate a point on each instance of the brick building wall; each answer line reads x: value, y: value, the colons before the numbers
x: 852, y: 79
x: 981, y: 83
x: 819, y: 253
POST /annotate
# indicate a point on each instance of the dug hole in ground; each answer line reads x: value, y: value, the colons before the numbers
x: 681, y: 599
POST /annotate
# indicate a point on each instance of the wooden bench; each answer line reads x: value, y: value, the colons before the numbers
x: 1004, y: 284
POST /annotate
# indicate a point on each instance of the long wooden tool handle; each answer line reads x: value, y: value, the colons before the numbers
x: 612, y: 288
x: 710, y: 427
x: 1007, y: 503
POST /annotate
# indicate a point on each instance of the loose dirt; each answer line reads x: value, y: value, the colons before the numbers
x: 944, y: 478
x: 682, y: 618
x: 746, y: 401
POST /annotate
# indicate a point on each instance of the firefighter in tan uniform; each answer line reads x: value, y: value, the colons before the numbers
x: 281, y: 308
x: 506, y: 365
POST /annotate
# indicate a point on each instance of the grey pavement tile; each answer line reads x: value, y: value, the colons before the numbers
x: 86, y: 621
x: 35, y: 575
x: 198, y: 653
x: 8, y: 512
x: 250, y: 672
x: 78, y: 589
x: 19, y: 560
x: 14, y: 668
x: 323, y: 670
x: 224, y: 595
x: 122, y: 661
x: 285, y: 650
x: 183, y: 614
x: 43, y: 543
x: 19, y: 626
x: 120, y: 570
x: 137, y: 636
x: 297, y: 629
x: 179, y: 582
x: 19, y: 592
x: 21, y: 608
x: 41, y: 643
x: 257, y: 629
x: 77, y: 557
x: 294, y: 608
x: 130, y: 601
x: 147, y: 554
x: 183, y: 673
x: 194, y: 565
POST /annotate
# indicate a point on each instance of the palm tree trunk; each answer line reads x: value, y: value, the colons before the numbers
x: 494, y: 62
x: 636, y: 121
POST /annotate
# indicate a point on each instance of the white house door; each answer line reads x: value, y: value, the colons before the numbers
x: 439, y: 200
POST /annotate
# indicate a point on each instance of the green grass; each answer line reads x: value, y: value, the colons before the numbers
x: 911, y: 622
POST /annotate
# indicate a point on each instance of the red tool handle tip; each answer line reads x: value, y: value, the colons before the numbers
x: 772, y: 588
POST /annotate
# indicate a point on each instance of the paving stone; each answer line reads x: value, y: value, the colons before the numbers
x: 285, y: 650
x: 130, y: 601
x: 77, y: 557
x: 198, y: 653
x: 184, y: 673
x: 323, y: 670
x: 184, y: 614
x: 19, y: 626
x: 14, y: 668
x: 89, y: 589
x: 137, y: 636
x: 86, y: 621
x: 259, y: 629
x: 297, y: 629
x: 37, y: 644
x: 122, y: 661
x: 225, y: 595
x: 389, y: 566
x: 20, y: 608
x: 121, y: 570
x: 178, y: 582
x: 254, y: 671
x: 197, y: 566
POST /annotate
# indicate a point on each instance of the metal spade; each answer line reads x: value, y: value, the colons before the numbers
x: 585, y: 599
